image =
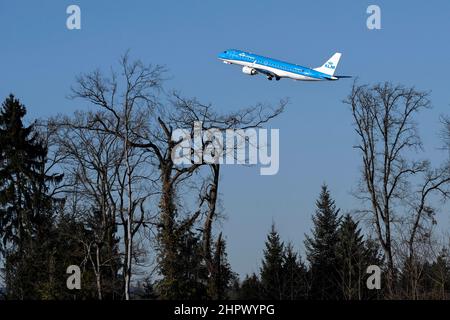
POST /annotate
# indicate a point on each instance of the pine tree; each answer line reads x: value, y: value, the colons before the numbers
x: 147, y: 290
x: 272, y: 267
x: 294, y: 276
x: 219, y: 282
x: 107, y: 259
x: 352, y: 260
x: 20, y: 170
x: 235, y: 288
x: 321, y: 248
x: 26, y: 215
x: 251, y: 288
x: 70, y: 232
x: 373, y: 256
x: 439, y: 275
x: 187, y: 272
x: 434, y: 280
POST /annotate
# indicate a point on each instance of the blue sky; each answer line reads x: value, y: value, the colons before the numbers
x: 40, y: 58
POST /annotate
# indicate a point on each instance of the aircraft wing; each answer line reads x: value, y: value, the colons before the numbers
x: 327, y: 77
x: 267, y: 73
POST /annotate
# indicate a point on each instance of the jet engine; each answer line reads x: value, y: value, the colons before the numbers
x: 249, y: 71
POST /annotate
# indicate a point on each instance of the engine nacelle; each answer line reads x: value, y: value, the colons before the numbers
x: 249, y: 71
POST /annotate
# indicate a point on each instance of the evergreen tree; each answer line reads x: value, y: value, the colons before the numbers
x: 20, y: 172
x: 64, y: 249
x: 321, y: 249
x: 373, y: 256
x: 26, y: 210
x: 188, y: 274
x: 272, y: 267
x: 147, y: 290
x: 294, y: 276
x: 251, y: 288
x: 69, y: 251
x: 221, y: 278
x: 103, y: 236
x: 235, y: 288
x: 352, y: 260
x: 433, y: 282
x: 439, y: 276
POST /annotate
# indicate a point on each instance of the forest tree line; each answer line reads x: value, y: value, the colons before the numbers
x: 99, y: 189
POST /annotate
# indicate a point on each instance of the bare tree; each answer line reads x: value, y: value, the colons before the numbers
x: 446, y: 133
x: 151, y: 132
x: 125, y: 101
x: 92, y: 161
x: 397, y: 187
x: 113, y: 179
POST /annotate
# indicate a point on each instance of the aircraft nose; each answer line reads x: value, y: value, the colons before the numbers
x: 222, y: 55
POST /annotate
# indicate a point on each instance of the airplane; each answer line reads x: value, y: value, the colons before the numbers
x: 271, y: 68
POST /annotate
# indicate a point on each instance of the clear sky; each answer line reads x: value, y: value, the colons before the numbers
x: 40, y: 58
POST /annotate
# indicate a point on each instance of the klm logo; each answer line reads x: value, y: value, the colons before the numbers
x: 330, y: 65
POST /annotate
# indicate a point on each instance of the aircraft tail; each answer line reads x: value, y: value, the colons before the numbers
x: 330, y: 66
